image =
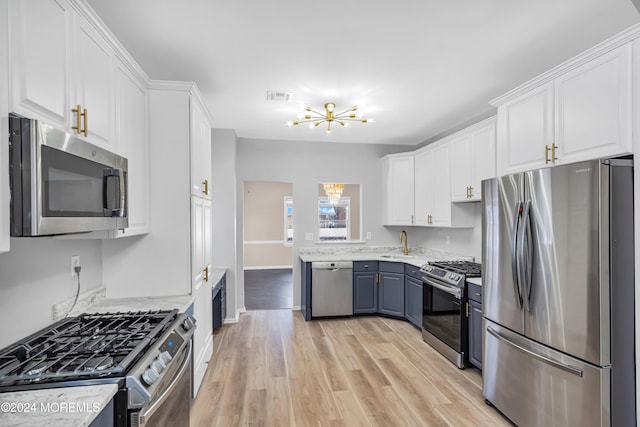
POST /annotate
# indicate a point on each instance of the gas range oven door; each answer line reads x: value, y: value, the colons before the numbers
x: 172, y: 404
x: 444, y: 324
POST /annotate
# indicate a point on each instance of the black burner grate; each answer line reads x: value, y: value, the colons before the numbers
x: 468, y: 268
x: 87, y: 346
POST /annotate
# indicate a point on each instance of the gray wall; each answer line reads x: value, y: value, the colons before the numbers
x: 305, y: 164
x: 223, y: 197
x: 35, y: 275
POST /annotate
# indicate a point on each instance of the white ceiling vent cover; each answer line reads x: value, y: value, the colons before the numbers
x: 278, y: 95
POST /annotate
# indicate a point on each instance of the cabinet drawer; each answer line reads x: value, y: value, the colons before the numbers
x: 365, y: 266
x: 474, y: 292
x: 391, y: 267
x: 413, y: 271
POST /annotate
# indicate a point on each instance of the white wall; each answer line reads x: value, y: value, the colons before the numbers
x: 35, y: 275
x: 463, y: 241
x: 223, y: 197
x: 305, y: 164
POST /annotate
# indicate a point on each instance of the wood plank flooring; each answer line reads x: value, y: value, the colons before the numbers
x: 274, y: 369
x: 268, y: 289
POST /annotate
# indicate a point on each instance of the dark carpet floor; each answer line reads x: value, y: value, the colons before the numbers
x: 268, y: 289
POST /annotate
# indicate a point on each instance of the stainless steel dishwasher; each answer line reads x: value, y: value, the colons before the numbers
x: 331, y: 288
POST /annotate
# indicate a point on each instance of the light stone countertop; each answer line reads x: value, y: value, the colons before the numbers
x: 417, y: 256
x: 475, y: 280
x: 67, y: 406
x: 180, y: 302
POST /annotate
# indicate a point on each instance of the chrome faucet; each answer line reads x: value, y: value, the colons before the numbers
x: 405, y: 250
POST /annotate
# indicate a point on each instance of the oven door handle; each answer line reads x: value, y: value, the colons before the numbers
x: 452, y: 290
x: 145, y: 414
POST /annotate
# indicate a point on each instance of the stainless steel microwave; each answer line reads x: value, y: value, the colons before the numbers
x: 61, y: 184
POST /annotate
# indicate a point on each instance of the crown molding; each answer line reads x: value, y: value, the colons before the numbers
x: 585, y: 57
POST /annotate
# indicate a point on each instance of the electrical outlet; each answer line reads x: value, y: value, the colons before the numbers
x: 368, y: 235
x: 75, y: 262
x: 308, y: 236
x: 448, y: 239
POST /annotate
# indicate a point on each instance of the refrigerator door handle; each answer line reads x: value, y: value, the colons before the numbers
x: 514, y: 254
x: 524, y: 255
x: 546, y: 359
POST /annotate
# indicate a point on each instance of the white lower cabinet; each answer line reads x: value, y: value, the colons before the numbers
x: 202, y: 337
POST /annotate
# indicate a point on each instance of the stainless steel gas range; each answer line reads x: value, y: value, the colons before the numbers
x: 148, y: 354
x: 444, y: 319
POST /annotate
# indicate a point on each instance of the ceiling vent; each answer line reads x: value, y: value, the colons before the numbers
x: 278, y: 95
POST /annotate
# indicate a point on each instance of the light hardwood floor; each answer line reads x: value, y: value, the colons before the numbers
x: 274, y: 369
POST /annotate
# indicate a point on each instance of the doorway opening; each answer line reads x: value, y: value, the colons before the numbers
x: 268, y: 245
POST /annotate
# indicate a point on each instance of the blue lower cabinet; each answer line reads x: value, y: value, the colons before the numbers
x: 365, y: 297
x: 391, y: 289
x: 413, y: 300
x: 365, y: 287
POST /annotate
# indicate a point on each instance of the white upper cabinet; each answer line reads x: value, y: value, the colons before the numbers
x: 5, y: 241
x: 473, y: 159
x: 578, y: 111
x: 525, y: 131
x: 398, y: 190
x: 417, y: 189
x: 40, y: 36
x: 593, y: 108
x: 92, y: 94
x: 200, y: 149
x: 423, y: 186
x: 132, y: 142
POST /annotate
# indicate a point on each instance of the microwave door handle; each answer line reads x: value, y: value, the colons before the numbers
x: 514, y: 254
x: 108, y: 174
x: 123, y: 194
x: 525, y: 249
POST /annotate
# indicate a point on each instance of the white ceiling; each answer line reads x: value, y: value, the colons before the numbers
x: 419, y: 67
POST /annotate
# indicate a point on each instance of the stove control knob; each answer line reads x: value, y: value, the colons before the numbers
x: 158, y: 365
x: 187, y: 324
x: 165, y: 357
x: 150, y: 376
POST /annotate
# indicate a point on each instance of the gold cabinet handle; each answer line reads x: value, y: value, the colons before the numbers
x: 378, y: 278
x: 470, y: 192
x: 78, y: 126
x: 206, y: 274
x: 86, y: 123
x: 467, y: 309
x: 206, y: 187
x: 553, y: 152
x: 546, y: 154
x: 467, y: 192
x: 81, y: 114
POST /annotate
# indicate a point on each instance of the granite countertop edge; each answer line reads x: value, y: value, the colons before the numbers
x: 64, y: 406
x: 416, y: 257
x: 475, y: 280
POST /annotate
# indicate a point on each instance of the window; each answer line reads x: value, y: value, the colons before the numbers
x: 334, y: 219
x: 288, y: 221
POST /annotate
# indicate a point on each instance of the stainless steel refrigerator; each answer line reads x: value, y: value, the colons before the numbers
x: 558, y: 295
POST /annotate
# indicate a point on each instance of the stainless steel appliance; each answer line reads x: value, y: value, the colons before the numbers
x: 61, y: 184
x: 558, y: 286
x: 148, y: 354
x: 444, y: 298
x: 331, y: 289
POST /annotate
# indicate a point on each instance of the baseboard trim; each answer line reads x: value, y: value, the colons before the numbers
x: 296, y: 308
x: 269, y: 267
